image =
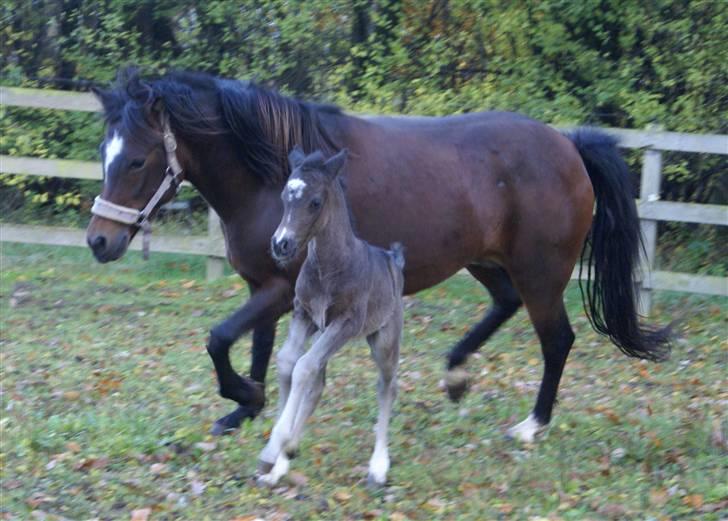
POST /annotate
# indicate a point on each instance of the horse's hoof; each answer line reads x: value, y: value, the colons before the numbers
x: 456, y: 383
x: 264, y: 467
x: 528, y: 431
x: 228, y: 424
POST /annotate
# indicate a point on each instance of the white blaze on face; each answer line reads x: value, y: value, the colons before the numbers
x: 295, y: 189
x: 282, y: 230
x: 112, y: 150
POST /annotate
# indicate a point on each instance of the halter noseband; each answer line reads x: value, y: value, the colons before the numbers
x: 141, y: 218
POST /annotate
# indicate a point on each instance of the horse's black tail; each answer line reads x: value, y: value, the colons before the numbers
x: 609, y: 290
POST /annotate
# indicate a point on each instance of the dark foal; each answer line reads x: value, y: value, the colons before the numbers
x: 346, y: 289
x: 508, y: 198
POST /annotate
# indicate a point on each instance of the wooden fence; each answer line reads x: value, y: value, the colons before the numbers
x: 651, y: 209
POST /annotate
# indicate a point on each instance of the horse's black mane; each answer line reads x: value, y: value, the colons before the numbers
x: 264, y: 124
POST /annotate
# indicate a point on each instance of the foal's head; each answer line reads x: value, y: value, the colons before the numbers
x: 306, y: 210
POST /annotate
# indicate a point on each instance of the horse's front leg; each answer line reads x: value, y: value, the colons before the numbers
x: 306, y: 387
x: 260, y: 313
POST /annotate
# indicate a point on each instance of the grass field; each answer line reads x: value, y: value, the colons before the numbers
x: 108, y: 394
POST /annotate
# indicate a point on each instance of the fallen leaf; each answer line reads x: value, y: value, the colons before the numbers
x: 398, y: 516
x: 206, y: 446
x: 158, y: 469
x: 91, y: 463
x: 694, y: 501
x: 141, y: 514
x: 38, y: 498
x: 198, y: 487
x: 73, y: 446
x: 72, y: 395
x: 342, y: 496
x: 658, y: 497
x: 717, y: 435
x: 435, y: 504
x: 297, y: 478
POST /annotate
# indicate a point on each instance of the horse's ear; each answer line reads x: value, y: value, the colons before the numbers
x: 334, y: 165
x: 105, y: 97
x: 296, y: 157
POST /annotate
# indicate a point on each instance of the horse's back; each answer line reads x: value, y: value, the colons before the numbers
x: 463, y: 189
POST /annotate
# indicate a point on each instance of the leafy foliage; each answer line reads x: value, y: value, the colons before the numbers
x: 601, y: 62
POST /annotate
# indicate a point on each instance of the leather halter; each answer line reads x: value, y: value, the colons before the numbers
x: 142, y: 218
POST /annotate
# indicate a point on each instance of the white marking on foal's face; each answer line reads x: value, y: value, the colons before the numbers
x: 112, y: 150
x: 280, y: 234
x: 295, y: 189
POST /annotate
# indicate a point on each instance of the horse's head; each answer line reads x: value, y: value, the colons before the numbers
x: 135, y: 167
x: 306, y: 201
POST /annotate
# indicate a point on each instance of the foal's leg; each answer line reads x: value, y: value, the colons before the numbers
x: 300, y: 330
x: 306, y: 375
x: 384, y: 345
x: 506, y: 302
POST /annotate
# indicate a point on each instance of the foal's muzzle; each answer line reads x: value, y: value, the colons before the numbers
x: 283, y: 249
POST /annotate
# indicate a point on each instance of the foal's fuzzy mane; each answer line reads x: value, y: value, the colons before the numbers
x: 264, y: 124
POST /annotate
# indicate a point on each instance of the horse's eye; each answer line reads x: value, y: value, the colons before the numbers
x: 315, y: 203
x: 136, y: 164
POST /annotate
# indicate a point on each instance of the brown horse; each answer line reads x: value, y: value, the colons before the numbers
x: 508, y: 198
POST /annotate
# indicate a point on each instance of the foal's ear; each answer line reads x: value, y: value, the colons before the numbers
x: 296, y: 156
x: 334, y: 165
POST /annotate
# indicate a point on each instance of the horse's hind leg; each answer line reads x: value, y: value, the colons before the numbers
x: 506, y: 302
x: 384, y: 345
x: 546, y: 308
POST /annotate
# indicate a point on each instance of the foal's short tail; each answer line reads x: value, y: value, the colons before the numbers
x: 609, y: 291
x: 396, y: 250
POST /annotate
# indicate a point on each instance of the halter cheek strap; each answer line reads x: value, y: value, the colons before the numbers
x: 142, y: 218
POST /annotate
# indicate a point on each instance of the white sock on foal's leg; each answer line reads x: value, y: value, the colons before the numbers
x: 378, y: 465
x: 279, y: 470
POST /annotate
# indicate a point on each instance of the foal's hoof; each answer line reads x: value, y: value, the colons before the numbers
x: 266, y: 481
x: 456, y: 383
x: 264, y: 467
x: 374, y: 483
x: 228, y: 424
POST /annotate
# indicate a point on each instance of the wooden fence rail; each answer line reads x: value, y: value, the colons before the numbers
x: 651, y: 210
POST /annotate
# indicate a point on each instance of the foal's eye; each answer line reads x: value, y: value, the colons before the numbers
x: 136, y: 164
x: 315, y: 203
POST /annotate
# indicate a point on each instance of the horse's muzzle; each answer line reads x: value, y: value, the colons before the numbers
x: 106, y: 250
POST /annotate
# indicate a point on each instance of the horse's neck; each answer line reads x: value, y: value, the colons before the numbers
x: 334, y: 245
x: 226, y: 187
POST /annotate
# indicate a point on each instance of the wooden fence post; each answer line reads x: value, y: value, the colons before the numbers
x: 215, y: 265
x: 649, y: 192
